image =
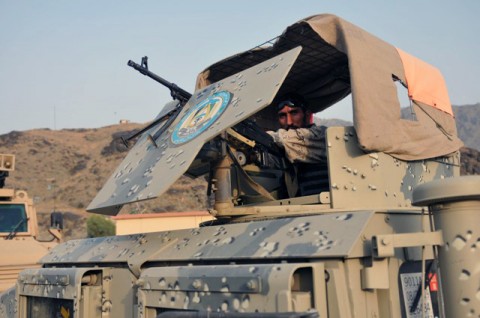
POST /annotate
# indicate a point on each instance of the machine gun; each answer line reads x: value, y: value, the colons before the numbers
x: 176, y: 92
x: 246, y: 128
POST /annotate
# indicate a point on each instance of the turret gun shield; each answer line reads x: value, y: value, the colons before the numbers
x: 153, y: 164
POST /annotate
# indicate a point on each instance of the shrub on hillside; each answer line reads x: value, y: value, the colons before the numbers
x: 98, y: 226
x: 117, y: 145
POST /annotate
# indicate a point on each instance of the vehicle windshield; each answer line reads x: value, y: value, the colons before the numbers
x: 11, y: 216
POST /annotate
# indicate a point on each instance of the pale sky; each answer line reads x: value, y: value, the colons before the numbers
x: 63, y: 64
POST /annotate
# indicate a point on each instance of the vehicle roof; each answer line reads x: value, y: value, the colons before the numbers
x: 339, y: 58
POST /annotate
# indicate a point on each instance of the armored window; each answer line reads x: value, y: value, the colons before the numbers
x: 13, y: 218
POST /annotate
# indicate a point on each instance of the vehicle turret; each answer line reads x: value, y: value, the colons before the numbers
x: 355, y: 246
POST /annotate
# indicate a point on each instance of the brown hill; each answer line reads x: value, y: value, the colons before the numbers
x: 468, y: 124
x: 64, y: 169
x: 470, y: 161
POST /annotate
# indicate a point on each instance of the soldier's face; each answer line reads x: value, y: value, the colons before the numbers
x: 291, y: 117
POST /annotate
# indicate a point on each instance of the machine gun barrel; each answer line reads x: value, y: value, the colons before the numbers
x: 176, y: 92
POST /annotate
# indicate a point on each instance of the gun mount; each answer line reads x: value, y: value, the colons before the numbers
x: 354, y: 247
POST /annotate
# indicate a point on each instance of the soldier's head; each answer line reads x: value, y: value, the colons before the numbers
x: 293, y: 113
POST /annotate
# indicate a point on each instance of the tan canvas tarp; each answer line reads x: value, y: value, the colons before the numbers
x: 339, y: 58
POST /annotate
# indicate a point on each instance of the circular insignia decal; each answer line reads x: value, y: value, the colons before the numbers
x: 200, y: 117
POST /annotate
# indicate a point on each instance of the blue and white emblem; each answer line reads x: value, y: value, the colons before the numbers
x: 200, y: 117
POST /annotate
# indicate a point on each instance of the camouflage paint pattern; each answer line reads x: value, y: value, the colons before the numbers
x: 317, y: 254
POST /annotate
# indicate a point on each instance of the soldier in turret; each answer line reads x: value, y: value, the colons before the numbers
x: 302, y: 140
x: 304, y: 144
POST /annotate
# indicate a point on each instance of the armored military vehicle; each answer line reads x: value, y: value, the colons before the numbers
x: 19, y: 242
x: 390, y: 231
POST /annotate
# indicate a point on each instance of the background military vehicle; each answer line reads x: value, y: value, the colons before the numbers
x: 19, y: 242
x: 355, y: 248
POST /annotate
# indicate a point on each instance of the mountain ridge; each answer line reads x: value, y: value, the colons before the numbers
x: 467, y: 118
